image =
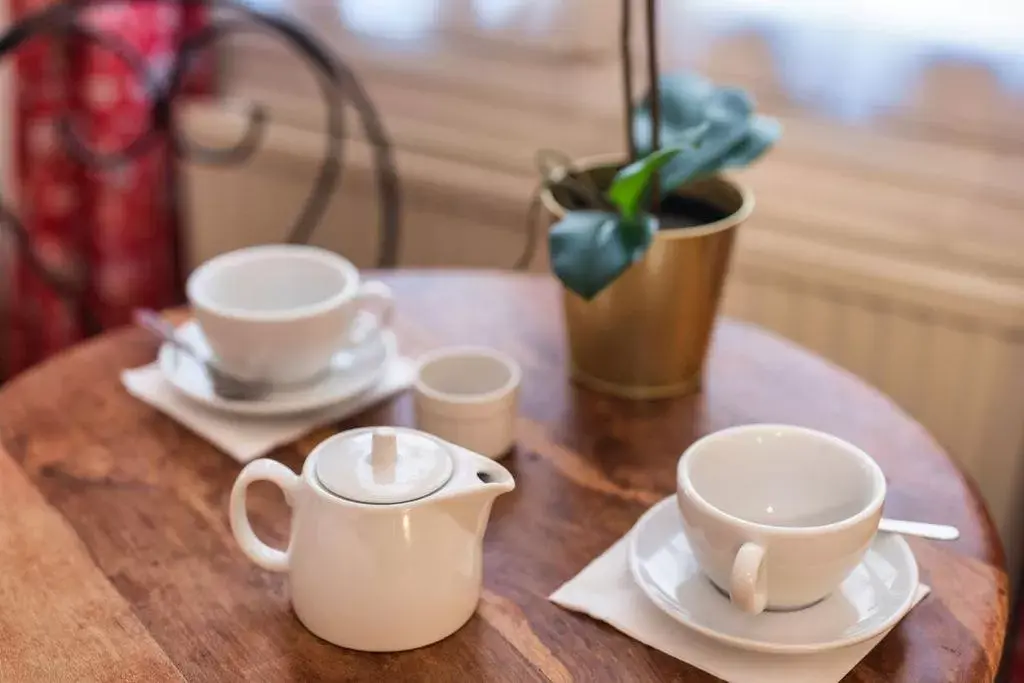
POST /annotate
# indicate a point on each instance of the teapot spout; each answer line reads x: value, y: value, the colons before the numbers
x: 495, y: 478
x: 470, y: 494
x: 478, y: 478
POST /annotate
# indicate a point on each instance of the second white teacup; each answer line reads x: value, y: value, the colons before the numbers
x: 468, y: 395
x: 778, y: 516
x: 280, y: 312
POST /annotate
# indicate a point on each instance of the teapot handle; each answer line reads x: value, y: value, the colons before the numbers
x: 259, y: 552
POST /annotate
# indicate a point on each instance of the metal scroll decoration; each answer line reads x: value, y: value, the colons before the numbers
x: 338, y: 86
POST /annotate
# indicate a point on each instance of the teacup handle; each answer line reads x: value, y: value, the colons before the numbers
x: 748, y: 588
x: 376, y: 297
x: 260, y: 470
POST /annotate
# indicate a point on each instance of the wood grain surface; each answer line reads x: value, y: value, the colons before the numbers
x: 117, y: 563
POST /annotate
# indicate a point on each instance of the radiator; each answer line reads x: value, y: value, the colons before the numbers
x: 947, y: 347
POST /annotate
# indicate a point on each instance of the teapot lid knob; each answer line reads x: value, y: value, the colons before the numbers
x: 383, y: 465
x: 384, y: 449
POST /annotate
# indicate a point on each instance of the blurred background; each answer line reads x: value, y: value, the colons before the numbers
x: 889, y: 233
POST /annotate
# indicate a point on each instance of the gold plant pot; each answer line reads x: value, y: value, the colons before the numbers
x: 646, y: 335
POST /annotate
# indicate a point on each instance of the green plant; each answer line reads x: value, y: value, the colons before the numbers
x: 590, y: 248
x: 716, y: 127
x: 686, y: 128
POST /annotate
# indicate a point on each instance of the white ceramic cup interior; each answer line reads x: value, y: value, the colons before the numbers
x: 272, y: 282
x: 794, y: 508
x: 783, y: 477
x: 281, y: 312
x: 468, y: 395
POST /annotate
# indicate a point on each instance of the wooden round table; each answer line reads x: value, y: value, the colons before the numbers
x: 116, y: 559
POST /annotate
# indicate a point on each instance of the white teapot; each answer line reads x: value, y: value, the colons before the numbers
x: 386, y: 536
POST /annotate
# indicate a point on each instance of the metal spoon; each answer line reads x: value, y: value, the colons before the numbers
x: 224, y: 384
x: 936, y: 532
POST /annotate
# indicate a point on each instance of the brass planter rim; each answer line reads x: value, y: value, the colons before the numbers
x: 730, y: 221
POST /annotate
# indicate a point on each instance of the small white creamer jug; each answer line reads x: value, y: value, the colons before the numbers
x: 386, y: 539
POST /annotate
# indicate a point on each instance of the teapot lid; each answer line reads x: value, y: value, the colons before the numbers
x: 384, y: 465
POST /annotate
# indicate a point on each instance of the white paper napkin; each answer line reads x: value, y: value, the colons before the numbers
x: 246, y: 438
x: 605, y: 590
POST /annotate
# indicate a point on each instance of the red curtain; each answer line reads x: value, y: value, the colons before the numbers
x: 109, y: 229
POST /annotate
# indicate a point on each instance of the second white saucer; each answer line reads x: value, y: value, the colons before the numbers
x: 353, y: 371
x: 872, y: 599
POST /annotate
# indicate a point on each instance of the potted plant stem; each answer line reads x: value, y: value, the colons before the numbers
x: 642, y: 244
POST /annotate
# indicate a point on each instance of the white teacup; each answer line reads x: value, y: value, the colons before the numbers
x: 778, y: 516
x: 280, y: 312
x: 467, y: 395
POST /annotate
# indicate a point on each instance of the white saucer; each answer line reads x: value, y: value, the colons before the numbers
x: 353, y: 371
x: 872, y: 599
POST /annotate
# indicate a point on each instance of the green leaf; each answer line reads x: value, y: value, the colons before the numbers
x: 728, y: 122
x: 590, y: 249
x: 762, y: 133
x: 705, y: 159
x: 729, y: 103
x: 683, y: 98
x: 630, y: 184
x: 715, y: 127
x: 682, y: 140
